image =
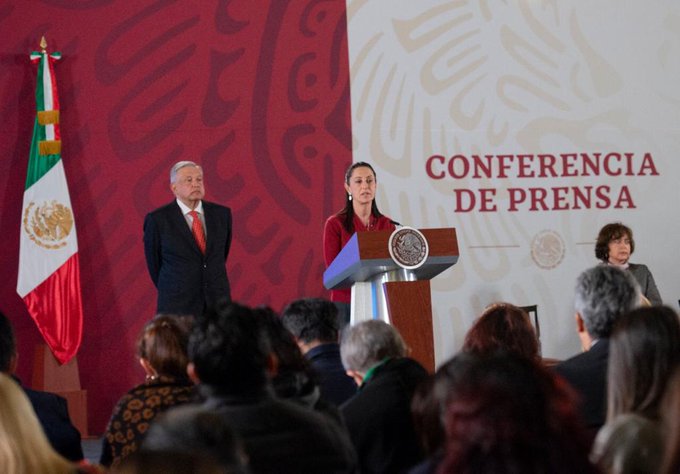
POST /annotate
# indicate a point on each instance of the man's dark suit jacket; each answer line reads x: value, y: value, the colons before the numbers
x: 587, y: 374
x: 336, y: 386
x: 283, y: 437
x: 52, y: 413
x: 187, y: 280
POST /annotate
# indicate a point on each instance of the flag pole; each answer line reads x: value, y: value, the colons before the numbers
x: 49, y: 271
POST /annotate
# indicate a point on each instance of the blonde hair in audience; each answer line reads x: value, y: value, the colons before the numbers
x: 24, y: 448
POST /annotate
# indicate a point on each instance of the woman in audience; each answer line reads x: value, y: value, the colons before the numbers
x: 501, y: 327
x: 508, y: 414
x: 24, y: 448
x: 360, y: 214
x: 614, y: 246
x: 426, y: 412
x: 670, y: 413
x: 292, y: 375
x: 644, y: 351
x: 506, y: 327
x: 162, y: 352
x: 427, y: 406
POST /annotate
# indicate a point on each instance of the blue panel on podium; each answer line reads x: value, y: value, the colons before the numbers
x: 366, y: 256
x: 349, y: 266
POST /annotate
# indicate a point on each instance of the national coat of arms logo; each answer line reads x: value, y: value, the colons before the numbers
x: 48, y: 224
x: 408, y: 247
x: 547, y: 249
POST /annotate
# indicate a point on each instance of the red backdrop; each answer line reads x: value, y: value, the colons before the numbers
x: 257, y: 92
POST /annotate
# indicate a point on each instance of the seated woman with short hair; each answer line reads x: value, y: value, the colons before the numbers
x: 162, y: 352
x: 614, y: 246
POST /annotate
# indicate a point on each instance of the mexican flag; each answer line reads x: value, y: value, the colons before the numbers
x: 49, y: 273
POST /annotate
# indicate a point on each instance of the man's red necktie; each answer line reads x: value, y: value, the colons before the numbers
x: 197, y: 230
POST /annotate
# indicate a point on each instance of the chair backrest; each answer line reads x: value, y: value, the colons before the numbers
x: 532, y: 311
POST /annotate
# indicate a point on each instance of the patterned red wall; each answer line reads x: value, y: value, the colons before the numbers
x: 258, y: 92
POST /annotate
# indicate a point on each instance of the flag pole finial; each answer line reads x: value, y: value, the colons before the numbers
x: 43, y: 44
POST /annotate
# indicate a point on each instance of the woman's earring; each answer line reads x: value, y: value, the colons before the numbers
x: 350, y: 197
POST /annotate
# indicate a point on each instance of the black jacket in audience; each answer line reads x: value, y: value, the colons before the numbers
x: 587, y: 375
x: 52, y: 412
x: 336, y: 386
x: 379, y: 420
x: 282, y: 437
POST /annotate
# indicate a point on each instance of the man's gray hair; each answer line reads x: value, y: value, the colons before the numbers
x: 178, y: 166
x: 603, y: 294
x: 365, y: 344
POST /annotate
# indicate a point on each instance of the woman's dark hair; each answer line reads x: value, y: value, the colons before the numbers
x: 644, y: 350
x: 503, y: 326
x: 294, y: 374
x: 163, y: 342
x: 506, y: 413
x: 671, y: 410
x: 426, y: 415
x: 347, y: 213
x: 608, y: 233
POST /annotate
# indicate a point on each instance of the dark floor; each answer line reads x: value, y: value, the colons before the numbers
x: 92, y: 448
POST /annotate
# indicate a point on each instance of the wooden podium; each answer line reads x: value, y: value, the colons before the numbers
x: 382, y: 289
x: 64, y: 380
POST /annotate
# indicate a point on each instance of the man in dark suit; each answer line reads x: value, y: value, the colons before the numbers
x: 51, y: 409
x: 314, y: 324
x: 603, y: 294
x: 186, y: 244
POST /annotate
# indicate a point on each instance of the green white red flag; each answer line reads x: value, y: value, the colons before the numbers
x: 49, y: 272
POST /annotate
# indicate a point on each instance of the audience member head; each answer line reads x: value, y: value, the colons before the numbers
x: 608, y: 234
x: 24, y: 448
x: 603, y: 294
x: 644, y: 351
x: 503, y: 326
x: 168, y: 462
x: 291, y: 374
x: 426, y: 412
x: 162, y: 348
x: 429, y: 404
x: 312, y: 321
x: 368, y: 343
x: 630, y: 444
x: 195, y: 430
x: 671, y: 416
x: 506, y: 413
x: 8, y: 346
x: 228, y: 351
